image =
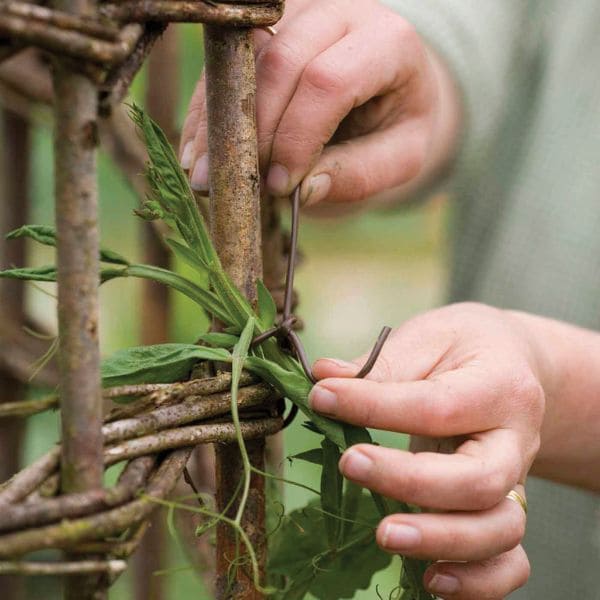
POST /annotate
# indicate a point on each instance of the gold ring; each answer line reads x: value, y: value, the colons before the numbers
x: 270, y: 29
x: 516, y: 497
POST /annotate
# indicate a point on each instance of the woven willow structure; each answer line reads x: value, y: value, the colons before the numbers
x: 80, y: 57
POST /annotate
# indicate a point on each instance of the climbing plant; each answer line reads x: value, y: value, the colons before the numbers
x: 327, y: 548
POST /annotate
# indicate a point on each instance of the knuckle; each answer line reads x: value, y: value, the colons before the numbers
x: 407, y: 32
x: 529, y: 389
x: 320, y: 76
x: 515, y: 528
x: 277, y: 57
x: 523, y: 570
x: 443, y: 410
x: 363, y: 412
x: 407, y: 487
x: 489, y: 486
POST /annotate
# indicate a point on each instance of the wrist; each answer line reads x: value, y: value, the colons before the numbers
x: 566, y: 361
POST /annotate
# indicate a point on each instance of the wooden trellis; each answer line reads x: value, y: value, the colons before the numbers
x: 96, y: 48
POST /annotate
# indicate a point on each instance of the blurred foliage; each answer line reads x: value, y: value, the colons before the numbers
x: 360, y: 272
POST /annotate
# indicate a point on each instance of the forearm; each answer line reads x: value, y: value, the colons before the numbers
x: 568, y: 363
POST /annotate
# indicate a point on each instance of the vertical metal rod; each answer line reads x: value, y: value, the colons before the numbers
x: 162, y: 96
x: 14, y: 203
x: 76, y: 208
x: 236, y: 230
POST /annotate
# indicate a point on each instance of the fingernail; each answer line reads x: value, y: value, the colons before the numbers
x: 356, y: 465
x: 322, y: 400
x: 444, y: 584
x: 397, y: 536
x: 199, y: 180
x: 186, y: 156
x: 317, y: 189
x: 278, y: 180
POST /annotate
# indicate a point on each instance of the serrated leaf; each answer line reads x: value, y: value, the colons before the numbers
x: 162, y: 363
x: 267, y: 309
x: 46, y: 273
x: 188, y: 256
x: 171, y: 188
x: 46, y: 235
x: 300, y: 551
x: 204, y: 298
x: 331, y: 491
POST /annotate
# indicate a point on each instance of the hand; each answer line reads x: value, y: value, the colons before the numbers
x: 349, y: 101
x: 468, y: 374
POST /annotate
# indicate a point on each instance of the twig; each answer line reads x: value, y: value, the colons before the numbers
x: 112, y: 567
x: 119, y: 80
x: 168, y: 393
x: 121, y: 550
x: 71, y: 43
x: 103, y: 525
x: 192, y: 409
x: 26, y: 408
x: 26, y: 481
x: 132, y: 480
x: 256, y: 15
x: 190, y: 436
x: 62, y: 20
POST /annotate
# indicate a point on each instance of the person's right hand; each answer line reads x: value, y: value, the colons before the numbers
x: 349, y: 101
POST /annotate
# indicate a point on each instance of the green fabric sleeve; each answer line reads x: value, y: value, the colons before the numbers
x: 479, y: 40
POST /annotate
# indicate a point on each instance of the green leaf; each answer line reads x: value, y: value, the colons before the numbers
x: 331, y: 491
x: 171, y: 188
x: 187, y: 256
x: 295, y: 387
x: 314, y: 456
x: 43, y: 234
x: 352, y: 496
x: 163, y: 363
x: 46, y: 235
x: 238, y: 306
x: 300, y: 551
x: 47, y: 273
x: 267, y: 309
x: 219, y: 340
x: 204, y: 298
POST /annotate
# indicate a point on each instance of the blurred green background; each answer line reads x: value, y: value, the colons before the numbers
x: 359, y: 273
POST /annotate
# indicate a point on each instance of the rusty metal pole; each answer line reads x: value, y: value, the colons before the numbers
x: 76, y: 207
x: 236, y: 230
x: 14, y: 202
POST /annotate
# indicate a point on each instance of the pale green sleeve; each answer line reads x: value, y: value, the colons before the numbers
x: 480, y: 41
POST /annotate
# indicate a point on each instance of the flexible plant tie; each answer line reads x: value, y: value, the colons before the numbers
x: 284, y: 330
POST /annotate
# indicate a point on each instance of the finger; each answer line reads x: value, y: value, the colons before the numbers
x: 457, y: 403
x: 281, y: 61
x: 195, y: 120
x: 477, y: 477
x: 413, y: 351
x: 338, y: 80
x: 492, y: 579
x: 360, y: 168
x: 459, y: 536
x: 194, y: 143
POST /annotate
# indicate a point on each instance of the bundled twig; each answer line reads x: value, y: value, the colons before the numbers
x: 139, y: 432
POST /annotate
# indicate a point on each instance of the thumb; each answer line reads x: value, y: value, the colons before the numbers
x: 333, y: 367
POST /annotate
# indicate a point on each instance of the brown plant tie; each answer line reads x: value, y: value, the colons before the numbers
x: 285, y: 328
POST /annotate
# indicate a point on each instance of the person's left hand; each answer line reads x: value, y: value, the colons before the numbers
x: 465, y: 373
